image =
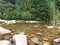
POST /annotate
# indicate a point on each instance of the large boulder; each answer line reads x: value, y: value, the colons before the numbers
x: 20, y: 39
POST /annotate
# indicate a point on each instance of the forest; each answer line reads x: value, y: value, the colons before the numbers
x: 40, y: 10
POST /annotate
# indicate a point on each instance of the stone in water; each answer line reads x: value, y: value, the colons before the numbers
x: 5, y: 42
x: 20, y: 39
x: 35, y: 40
x: 4, y: 31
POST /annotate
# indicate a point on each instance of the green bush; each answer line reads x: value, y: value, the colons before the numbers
x: 26, y: 15
x: 27, y: 10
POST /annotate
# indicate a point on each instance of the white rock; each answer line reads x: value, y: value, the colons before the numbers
x: 35, y: 40
x: 57, y: 40
x: 27, y: 21
x: 2, y: 20
x: 45, y: 44
x: 4, y: 31
x: 36, y: 26
x: 33, y: 22
x: 5, y: 42
x: 49, y: 27
x: 39, y: 33
x: 10, y: 22
x: 20, y: 39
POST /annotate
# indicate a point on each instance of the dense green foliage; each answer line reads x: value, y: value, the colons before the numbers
x: 44, y: 10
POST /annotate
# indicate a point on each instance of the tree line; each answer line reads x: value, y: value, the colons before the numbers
x: 45, y: 10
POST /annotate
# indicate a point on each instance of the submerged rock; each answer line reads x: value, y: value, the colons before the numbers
x: 20, y: 39
x: 49, y: 27
x: 4, y: 31
x: 30, y: 42
x: 46, y: 39
x: 46, y: 43
x: 57, y: 40
x: 39, y: 33
x: 35, y: 40
x: 58, y: 44
x: 5, y: 42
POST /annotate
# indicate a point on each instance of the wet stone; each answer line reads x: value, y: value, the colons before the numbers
x: 35, y: 40
x: 30, y: 42
x: 46, y: 39
x: 46, y: 43
x: 58, y: 44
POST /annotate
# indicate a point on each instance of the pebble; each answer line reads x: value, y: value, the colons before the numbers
x: 39, y: 33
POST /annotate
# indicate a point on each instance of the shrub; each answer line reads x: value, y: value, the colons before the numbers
x: 26, y: 15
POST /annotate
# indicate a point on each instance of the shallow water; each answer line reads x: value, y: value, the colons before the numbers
x: 31, y: 29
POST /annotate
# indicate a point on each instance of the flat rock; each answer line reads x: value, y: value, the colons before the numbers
x: 4, y: 31
x: 46, y: 39
x: 5, y: 42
